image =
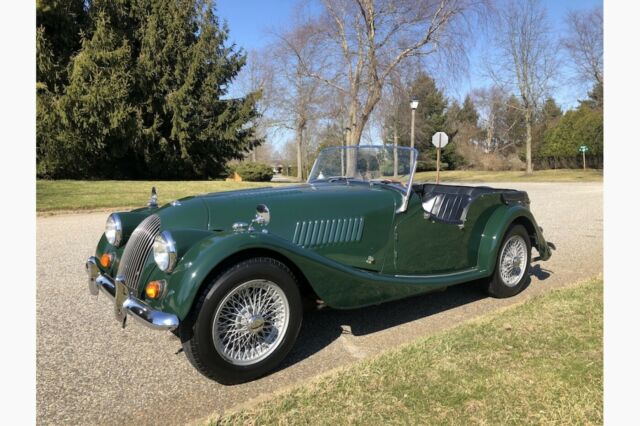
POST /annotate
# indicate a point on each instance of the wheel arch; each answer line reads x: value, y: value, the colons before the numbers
x: 306, y: 290
x: 529, y: 226
x: 496, y: 228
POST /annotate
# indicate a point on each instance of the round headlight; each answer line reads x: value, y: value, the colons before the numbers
x: 113, y: 230
x: 164, y: 252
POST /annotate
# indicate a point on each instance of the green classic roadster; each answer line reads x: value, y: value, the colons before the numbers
x: 228, y: 272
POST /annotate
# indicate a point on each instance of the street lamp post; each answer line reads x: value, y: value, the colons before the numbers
x: 414, y: 106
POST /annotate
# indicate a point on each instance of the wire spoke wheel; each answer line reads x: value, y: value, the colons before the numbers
x: 513, y: 260
x: 250, y: 322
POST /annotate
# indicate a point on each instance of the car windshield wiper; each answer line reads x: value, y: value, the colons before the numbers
x: 338, y: 179
x: 333, y: 179
x: 385, y: 181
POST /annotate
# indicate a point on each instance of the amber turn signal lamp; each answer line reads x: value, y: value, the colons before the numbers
x: 154, y: 289
x: 105, y: 260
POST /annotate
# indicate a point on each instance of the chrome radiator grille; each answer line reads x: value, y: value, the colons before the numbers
x: 137, y: 250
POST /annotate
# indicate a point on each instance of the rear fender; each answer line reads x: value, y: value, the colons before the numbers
x: 496, y: 228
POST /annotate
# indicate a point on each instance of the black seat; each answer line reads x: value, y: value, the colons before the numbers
x: 446, y: 207
x: 447, y: 203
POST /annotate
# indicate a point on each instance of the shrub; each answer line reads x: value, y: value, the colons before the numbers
x: 254, y: 172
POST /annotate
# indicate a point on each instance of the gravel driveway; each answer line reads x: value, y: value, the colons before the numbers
x: 91, y: 371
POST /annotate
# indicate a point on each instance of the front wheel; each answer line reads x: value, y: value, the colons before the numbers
x: 245, y: 322
x: 511, y: 274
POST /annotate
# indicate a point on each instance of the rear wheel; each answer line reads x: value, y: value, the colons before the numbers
x: 245, y: 322
x: 511, y: 274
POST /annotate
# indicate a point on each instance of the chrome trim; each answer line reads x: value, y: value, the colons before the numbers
x: 167, y: 240
x: 136, y: 252
x: 153, y: 200
x: 263, y: 216
x: 138, y: 309
x: 449, y: 274
x: 105, y: 284
x: 240, y: 226
x: 405, y: 200
x: 157, y: 320
x: 92, y: 274
x: 118, y: 224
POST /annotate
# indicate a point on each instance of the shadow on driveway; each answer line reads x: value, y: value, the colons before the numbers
x: 321, y: 327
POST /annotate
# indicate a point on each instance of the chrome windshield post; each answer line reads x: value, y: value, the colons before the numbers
x: 405, y: 200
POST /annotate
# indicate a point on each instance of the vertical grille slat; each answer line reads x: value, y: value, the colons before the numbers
x: 137, y: 251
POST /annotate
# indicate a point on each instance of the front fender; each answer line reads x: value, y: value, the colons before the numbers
x: 201, y: 259
x: 497, y: 227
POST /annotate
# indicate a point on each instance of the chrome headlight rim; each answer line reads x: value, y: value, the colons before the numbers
x: 165, y: 253
x: 115, y: 238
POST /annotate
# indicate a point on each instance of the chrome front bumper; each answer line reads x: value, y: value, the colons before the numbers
x: 138, y: 309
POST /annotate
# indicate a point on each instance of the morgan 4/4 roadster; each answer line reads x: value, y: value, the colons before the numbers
x: 228, y: 272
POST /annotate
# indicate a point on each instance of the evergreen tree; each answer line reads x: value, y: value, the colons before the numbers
x: 546, y: 118
x: 98, y: 122
x: 468, y: 114
x: 433, y: 114
x: 60, y: 24
x: 596, y: 97
x: 146, y: 95
x: 583, y: 125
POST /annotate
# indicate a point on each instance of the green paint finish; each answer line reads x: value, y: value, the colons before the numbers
x: 427, y: 246
x: 346, y: 239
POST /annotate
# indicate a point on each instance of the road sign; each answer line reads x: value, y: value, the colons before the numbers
x: 440, y: 140
x: 583, y: 149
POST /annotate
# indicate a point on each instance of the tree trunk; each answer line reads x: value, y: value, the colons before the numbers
x: 300, y: 131
x: 395, y: 151
x: 528, y: 118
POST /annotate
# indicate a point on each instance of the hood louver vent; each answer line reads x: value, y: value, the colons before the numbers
x: 330, y: 231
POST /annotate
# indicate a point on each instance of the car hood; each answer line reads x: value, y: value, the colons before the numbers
x: 291, y: 205
x: 350, y: 223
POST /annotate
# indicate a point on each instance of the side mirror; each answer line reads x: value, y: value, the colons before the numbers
x: 263, y: 217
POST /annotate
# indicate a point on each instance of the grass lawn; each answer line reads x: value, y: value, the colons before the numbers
x: 538, y: 362
x: 64, y: 195
x: 52, y: 195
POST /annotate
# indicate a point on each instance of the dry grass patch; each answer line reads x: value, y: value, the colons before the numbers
x: 539, y: 362
x: 560, y: 175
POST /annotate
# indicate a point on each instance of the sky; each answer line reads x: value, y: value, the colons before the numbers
x: 251, y: 22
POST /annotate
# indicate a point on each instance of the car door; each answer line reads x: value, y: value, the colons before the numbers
x: 425, y: 246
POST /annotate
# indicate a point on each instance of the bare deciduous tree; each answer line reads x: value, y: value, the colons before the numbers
x: 524, y: 57
x: 257, y: 77
x: 366, y: 40
x: 295, y: 94
x: 584, y: 44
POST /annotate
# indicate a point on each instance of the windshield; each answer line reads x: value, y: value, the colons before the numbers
x: 371, y: 163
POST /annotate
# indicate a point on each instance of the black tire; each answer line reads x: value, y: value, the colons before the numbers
x: 196, y: 331
x: 496, y: 286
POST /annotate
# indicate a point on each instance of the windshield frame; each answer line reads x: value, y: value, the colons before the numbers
x: 406, y: 194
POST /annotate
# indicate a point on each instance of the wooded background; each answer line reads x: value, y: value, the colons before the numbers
x: 143, y: 88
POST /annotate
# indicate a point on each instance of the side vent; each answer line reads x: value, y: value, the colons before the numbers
x: 323, y: 232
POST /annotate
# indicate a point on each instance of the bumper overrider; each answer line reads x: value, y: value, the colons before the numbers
x: 126, y: 304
